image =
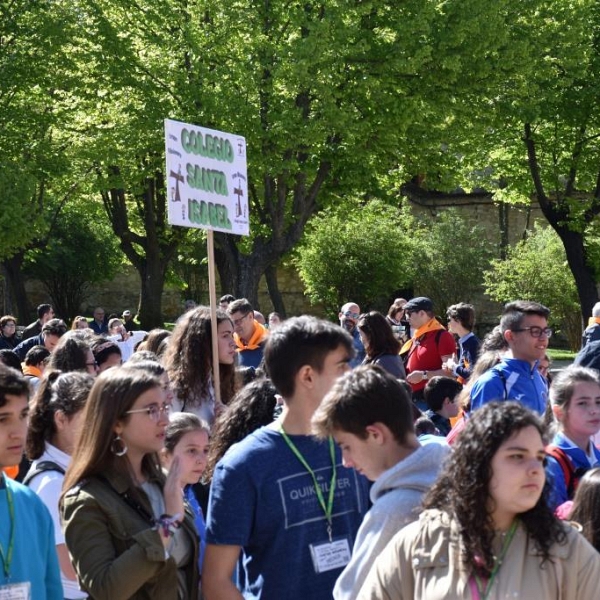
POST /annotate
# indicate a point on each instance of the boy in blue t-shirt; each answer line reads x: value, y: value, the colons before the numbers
x: 281, y: 497
x: 29, y: 561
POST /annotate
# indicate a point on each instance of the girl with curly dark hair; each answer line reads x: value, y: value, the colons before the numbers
x: 487, y: 531
x: 190, y: 365
x: 252, y: 407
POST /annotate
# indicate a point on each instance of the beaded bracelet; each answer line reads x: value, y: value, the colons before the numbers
x: 167, y: 525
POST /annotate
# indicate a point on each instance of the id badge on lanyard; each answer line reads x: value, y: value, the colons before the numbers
x: 16, y: 591
x: 334, y: 553
x: 330, y: 555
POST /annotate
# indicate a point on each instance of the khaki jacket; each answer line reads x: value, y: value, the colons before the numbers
x: 115, y: 551
x: 422, y: 562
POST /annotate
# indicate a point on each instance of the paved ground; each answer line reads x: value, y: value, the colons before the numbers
x: 558, y: 365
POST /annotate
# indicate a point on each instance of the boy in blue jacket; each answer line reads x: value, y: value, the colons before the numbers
x: 29, y: 561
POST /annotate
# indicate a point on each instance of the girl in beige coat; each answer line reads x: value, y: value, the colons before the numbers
x: 487, y: 532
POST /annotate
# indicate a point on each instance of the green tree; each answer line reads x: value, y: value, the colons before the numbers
x: 355, y: 253
x: 541, y: 127
x: 82, y: 251
x: 34, y: 158
x: 536, y: 269
x: 324, y: 93
x: 452, y: 256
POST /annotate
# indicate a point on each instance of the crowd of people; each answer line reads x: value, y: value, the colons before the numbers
x: 392, y: 456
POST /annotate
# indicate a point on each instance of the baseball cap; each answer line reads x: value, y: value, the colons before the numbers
x: 419, y: 303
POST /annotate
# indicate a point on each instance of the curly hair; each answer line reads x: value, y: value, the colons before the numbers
x: 252, y: 407
x: 462, y: 489
x: 188, y: 358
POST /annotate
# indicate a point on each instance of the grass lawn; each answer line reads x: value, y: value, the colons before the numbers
x: 558, y: 354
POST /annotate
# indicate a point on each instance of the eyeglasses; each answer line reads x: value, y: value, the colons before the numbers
x: 351, y: 315
x: 10, y: 325
x: 536, y: 332
x: 236, y: 322
x: 153, y: 411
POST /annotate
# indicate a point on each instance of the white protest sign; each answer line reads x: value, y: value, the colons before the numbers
x: 207, y: 182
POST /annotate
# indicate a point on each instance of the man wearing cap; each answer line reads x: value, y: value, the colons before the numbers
x: 430, y: 346
x: 348, y: 316
x: 128, y: 321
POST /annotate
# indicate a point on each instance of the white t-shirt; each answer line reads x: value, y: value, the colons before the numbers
x: 48, y: 486
x: 127, y: 346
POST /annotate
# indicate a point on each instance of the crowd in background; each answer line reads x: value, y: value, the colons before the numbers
x: 390, y: 456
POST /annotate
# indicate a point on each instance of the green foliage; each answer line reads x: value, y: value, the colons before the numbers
x: 355, y: 253
x: 536, y: 269
x: 81, y: 251
x: 189, y: 271
x: 33, y: 156
x: 452, y: 255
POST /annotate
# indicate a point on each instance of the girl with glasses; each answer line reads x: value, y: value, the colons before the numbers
x: 575, y: 400
x: 487, y: 532
x: 8, y: 331
x: 125, y: 524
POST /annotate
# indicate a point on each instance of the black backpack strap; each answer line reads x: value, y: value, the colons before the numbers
x: 41, y: 467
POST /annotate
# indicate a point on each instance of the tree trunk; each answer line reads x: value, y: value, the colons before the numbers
x: 152, y: 275
x: 274, y: 293
x: 557, y: 214
x: 578, y: 263
x: 503, y: 221
x: 250, y: 271
x: 16, y: 284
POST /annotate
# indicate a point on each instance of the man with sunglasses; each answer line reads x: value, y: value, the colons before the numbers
x: 524, y: 325
x: 348, y: 316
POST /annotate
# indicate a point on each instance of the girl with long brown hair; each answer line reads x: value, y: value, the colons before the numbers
x: 190, y: 365
x: 126, y: 527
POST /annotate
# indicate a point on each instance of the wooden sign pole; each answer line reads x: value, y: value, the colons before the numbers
x: 212, y: 294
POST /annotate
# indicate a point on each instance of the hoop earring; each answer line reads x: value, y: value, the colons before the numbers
x: 114, y: 446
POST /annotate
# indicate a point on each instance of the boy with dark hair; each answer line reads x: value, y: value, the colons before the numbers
x: 524, y: 325
x: 369, y: 414
x: 29, y: 560
x: 44, y: 313
x: 280, y: 496
x: 250, y: 336
x: 440, y: 395
x: 52, y: 331
x: 461, y: 320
